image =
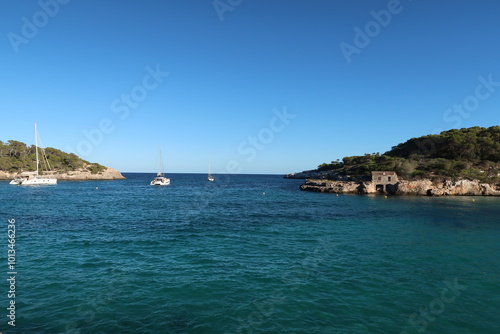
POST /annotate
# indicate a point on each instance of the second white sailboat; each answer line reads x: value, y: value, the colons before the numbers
x: 160, y: 179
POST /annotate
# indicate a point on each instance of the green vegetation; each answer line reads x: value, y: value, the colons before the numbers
x: 469, y: 153
x: 15, y: 156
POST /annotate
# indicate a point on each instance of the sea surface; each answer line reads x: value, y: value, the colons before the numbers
x: 246, y: 254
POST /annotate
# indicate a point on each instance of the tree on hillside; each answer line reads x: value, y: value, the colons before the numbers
x: 15, y: 156
x: 458, y: 153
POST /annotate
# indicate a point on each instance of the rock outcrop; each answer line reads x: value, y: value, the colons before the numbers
x: 403, y: 187
x: 445, y: 187
x: 78, y: 175
x: 328, y: 186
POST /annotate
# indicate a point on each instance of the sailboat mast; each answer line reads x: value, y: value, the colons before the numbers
x: 161, y: 163
x: 36, y: 149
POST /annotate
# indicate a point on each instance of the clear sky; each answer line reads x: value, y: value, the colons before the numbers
x: 254, y: 86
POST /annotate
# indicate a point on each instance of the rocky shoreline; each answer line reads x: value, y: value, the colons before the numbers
x: 78, y: 175
x: 404, y: 187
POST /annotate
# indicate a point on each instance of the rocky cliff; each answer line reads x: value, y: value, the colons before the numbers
x: 403, y: 187
x: 445, y: 187
x: 78, y: 175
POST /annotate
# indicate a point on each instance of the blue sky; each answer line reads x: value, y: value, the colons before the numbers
x: 253, y: 86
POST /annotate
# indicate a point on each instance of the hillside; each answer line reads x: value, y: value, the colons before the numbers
x: 16, y: 157
x: 468, y: 153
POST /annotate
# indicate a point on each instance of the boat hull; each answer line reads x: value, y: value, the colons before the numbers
x: 34, y: 181
x: 38, y: 181
x: 160, y: 181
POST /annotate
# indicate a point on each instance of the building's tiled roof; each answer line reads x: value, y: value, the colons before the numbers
x: 377, y: 173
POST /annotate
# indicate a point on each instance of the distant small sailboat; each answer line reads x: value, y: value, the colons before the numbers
x: 33, y: 178
x: 210, y: 177
x: 160, y: 179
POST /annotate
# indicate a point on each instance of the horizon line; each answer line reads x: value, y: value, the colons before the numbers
x: 206, y: 173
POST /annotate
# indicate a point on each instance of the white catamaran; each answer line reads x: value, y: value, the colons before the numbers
x: 160, y: 179
x: 33, y: 178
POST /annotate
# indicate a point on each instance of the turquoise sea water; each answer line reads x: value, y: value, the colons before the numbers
x: 247, y: 254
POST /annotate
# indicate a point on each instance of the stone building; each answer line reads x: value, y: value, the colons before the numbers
x: 384, y: 181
